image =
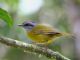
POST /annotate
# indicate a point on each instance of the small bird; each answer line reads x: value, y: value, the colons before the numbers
x: 40, y: 32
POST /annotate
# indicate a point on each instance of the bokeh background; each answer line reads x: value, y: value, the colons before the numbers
x: 64, y: 15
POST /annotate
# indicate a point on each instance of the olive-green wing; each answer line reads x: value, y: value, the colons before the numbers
x: 45, y: 30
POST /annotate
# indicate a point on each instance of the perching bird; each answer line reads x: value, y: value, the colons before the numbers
x: 40, y: 32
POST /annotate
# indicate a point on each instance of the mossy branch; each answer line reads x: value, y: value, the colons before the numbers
x: 32, y: 48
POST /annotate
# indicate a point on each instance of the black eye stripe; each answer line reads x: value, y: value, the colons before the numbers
x: 28, y: 25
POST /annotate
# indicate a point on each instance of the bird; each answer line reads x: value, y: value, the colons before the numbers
x: 41, y: 33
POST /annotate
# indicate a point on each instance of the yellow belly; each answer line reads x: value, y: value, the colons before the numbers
x: 39, y: 38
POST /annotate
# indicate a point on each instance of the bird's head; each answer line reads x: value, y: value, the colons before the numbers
x: 28, y: 25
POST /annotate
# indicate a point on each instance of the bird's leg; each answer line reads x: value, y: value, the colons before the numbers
x: 34, y: 43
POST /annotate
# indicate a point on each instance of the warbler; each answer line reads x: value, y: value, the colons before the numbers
x: 40, y: 32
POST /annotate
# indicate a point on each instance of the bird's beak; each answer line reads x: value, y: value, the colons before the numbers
x: 20, y: 25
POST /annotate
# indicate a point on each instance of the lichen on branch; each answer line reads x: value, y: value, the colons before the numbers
x: 32, y: 48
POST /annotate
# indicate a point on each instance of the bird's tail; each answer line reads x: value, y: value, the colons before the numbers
x: 69, y: 35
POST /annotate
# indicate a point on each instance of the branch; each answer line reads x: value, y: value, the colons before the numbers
x: 32, y: 48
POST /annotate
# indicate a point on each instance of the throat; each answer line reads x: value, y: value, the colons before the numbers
x: 29, y: 28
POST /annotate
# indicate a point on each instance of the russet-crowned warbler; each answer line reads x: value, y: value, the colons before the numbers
x: 41, y: 33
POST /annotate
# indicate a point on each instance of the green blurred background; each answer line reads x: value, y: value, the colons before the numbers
x: 64, y: 15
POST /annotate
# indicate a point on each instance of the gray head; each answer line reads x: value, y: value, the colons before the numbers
x: 28, y: 25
